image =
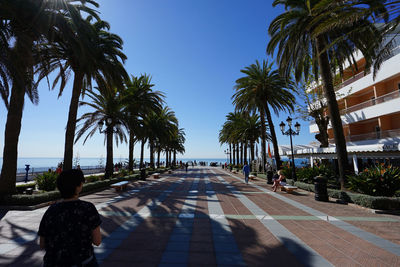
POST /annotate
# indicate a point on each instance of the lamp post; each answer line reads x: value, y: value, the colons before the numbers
x: 109, y: 130
x: 226, y: 151
x: 291, y: 132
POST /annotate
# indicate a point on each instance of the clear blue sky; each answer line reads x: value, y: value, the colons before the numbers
x: 194, y: 51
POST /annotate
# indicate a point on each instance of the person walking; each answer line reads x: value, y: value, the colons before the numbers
x: 70, y: 227
x: 246, y: 172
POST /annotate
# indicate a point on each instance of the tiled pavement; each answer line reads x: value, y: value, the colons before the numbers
x: 208, y: 217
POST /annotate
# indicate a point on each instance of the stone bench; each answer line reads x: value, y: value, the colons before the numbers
x: 120, y: 186
x: 156, y: 175
x: 288, y: 188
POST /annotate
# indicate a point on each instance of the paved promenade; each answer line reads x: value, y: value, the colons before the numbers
x: 209, y: 217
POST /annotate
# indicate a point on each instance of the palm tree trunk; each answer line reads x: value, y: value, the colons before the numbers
x: 71, y: 124
x: 230, y: 153
x: 273, y: 139
x: 241, y: 153
x: 234, y: 154
x: 151, y: 154
x: 174, y: 160
x: 158, y: 157
x: 263, y: 139
x: 237, y: 154
x: 166, y: 158
x: 109, y: 161
x: 245, y: 151
x: 11, y: 137
x: 252, y: 150
x: 141, y: 154
x: 333, y: 108
x: 170, y: 157
x: 131, y: 148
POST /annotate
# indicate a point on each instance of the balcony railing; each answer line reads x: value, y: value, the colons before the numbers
x: 378, y: 100
x: 360, y: 75
x: 371, y: 136
x: 351, y: 80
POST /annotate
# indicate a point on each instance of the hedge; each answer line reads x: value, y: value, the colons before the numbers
x: 31, y: 200
x: 372, y: 202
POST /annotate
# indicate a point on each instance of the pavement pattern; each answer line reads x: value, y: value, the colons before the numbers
x: 210, y: 217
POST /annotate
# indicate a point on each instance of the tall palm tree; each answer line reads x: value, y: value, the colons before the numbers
x: 244, y: 127
x: 90, y: 52
x: 25, y: 24
x: 177, y: 141
x: 161, y: 126
x: 252, y: 131
x: 323, y: 35
x: 231, y: 135
x: 108, y: 109
x: 261, y: 89
x: 139, y: 100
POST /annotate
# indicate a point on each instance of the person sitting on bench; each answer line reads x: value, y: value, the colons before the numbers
x: 278, y: 180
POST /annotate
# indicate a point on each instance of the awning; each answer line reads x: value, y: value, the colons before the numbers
x: 391, y: 147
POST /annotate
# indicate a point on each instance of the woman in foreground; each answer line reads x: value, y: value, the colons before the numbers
x: 70, y: 227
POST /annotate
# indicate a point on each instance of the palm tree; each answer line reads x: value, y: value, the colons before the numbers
x: 241, y: 126
x: 109, y: 109
x: 139, y: 100
x: 24, y: 25
x: 91, y: 52
x: 323, y: 35
x: 261, y: 89
x: 160, y: 127
x: 252, y: 131
x: 230, y: 133
x: 177, y: 140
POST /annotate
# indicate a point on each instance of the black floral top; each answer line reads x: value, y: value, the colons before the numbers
x: 67, y: 229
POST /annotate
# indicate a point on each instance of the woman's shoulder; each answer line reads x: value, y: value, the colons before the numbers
x: 87, y: 204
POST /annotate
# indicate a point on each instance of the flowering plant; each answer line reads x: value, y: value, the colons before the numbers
x: 379, y: 180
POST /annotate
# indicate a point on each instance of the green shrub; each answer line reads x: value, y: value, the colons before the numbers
x: 377, y: 180
x: 92, y: 178
x: 30, y: 199
x: 307, y: 174
x: 380, y: 203
x: 46, y: 181
x: 123, y: 172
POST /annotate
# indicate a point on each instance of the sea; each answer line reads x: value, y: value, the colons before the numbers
x: 43, y: 164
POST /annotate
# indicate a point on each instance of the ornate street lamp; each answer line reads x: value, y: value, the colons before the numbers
x: 291, y: 132
x: 226, y: 151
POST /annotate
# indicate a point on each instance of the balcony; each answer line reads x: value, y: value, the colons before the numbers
x: 388, y: 69
x: 371, y: 136
x: 351, y: 80
x: 369, y: 103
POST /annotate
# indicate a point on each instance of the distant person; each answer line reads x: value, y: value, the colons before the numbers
x: 78, y: 167
x: 246, y: 172
x: 70, y: 227
x: 59, y: 168
x: 278, y: 180
x: 186, y: 166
